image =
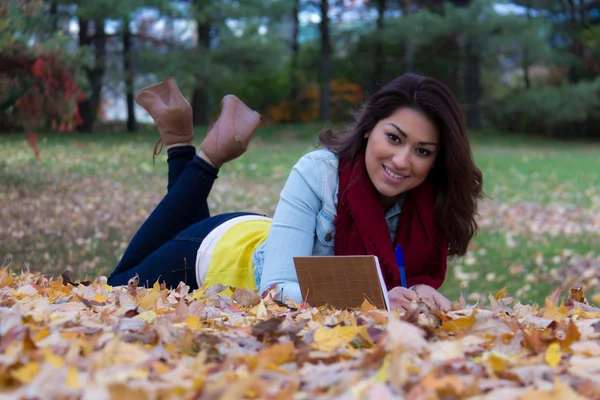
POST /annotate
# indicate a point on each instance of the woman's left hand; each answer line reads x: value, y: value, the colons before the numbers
x: 428, y: 293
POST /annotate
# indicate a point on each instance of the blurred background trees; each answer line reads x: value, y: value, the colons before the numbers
x: 525, y: 65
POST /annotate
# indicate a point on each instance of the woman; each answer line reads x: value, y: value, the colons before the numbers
x: 402, y: 174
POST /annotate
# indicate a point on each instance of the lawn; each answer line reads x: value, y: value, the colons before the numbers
x: 78, y: 207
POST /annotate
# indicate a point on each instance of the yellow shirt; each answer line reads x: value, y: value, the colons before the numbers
x: 225, y: 255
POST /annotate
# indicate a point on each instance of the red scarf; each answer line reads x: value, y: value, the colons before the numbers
x: 361, y: 228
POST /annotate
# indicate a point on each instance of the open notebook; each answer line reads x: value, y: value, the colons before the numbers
x: 342, y: 281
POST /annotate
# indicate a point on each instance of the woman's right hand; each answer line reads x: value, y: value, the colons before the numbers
x: 401, y: 298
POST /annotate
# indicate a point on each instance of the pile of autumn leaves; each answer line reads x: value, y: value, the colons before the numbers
x: 87, y: 340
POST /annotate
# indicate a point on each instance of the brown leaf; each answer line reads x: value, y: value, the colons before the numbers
x: 133, y: 283
x: 577, y: 295
x: 214, y: 290
x: 66, y: 278
x: 266, y: 329
x: 247, y: 298
x: 131, y: 313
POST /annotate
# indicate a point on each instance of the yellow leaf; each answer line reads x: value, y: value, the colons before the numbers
x: 27, y: 372
x: 147, y: 316
x: 458, y: 324
x: 555, y: 313
x: 99, y: 298
x: 160, y: 368
x: 501, y: 293
x: 149, y: 300
x: 329, y: 339
x: 41, y: 334
x: 277, y: 354
x: 197, y: 294
x: 261, y: 311
x: 498, y: 362
x: 69, y: 335
x: 72, y: 378
x: 382, y: 373
x: 53, y: 359
x: 578, y: 312
x: 192, y: 322
x: 139, y: 373
x: 367, y: 306
x: 553, y: 355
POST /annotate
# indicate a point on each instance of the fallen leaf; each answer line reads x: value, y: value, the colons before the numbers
x: 27, y: 372
x: 247, y: 298
x: 553, y: 355
x: 326, y: 339
x: 367, y: 306
x: 555, y: 313
x: 193, y: 322
x: 147, y: 316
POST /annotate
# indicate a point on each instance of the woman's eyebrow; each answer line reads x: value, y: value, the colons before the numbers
x: 406, y: 136
x: 399, y: 130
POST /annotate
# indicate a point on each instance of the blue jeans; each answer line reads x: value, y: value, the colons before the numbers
x: 166, y: 245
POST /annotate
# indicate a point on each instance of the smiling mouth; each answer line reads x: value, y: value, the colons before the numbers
x: 392, y: 174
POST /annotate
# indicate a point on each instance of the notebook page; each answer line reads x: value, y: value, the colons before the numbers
x: 382, y: 283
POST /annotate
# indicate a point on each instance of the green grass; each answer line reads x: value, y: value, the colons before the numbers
x: 81, y: 203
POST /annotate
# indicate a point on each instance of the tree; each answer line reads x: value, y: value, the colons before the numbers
x: 324, y: 78
x: 129, y: 76
x: 200, y: 95
x: 88, y: 108
x: 378, y: 59
x: 295, y: 50
x: 408, y: 45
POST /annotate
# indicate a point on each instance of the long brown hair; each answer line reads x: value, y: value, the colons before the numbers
x: 457, y: 180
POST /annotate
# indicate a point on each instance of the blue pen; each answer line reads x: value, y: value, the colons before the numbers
x: 400, y: 262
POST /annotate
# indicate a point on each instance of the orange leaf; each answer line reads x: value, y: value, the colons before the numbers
x: 192, y: 322
x: 27, y: 372
x: 277, y: 354
x: 555, y: 313
x: 458, y: 324
x: 367, y: 306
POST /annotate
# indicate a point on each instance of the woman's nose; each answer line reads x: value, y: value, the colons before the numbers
x: 400, y: 159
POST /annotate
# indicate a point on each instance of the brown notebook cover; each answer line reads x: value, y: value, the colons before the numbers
x: 341, y: 281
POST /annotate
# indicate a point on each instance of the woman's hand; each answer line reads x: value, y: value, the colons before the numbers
x: 401, y: 298
x: 428, y: 293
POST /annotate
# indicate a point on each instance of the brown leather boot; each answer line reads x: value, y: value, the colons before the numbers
x: 171, y: 112
x: 229, y: 137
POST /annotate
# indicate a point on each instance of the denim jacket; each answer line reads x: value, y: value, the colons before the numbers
x: 303, y: 224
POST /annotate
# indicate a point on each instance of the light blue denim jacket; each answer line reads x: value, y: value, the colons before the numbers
x: 303, y: 224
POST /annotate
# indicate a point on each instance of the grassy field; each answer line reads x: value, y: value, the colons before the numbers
x: 78, y: 207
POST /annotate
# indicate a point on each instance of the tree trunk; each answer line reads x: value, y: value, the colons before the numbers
x: 473, y: 82
x: 526, y: 76
x: 53, y: 11
x: 574, y: 75
x: 379, y: 58
x: 88, y: 108
x: 295, y: 47
x: 200, y: 99
x: 409, y: 51
x: 325, y: 95
x: 128, y: 71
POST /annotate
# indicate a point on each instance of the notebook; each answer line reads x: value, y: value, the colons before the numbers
x: 342, y: 281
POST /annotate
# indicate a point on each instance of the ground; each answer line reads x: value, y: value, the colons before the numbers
x: 78, y: 207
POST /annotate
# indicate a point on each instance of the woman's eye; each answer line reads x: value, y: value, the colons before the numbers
x: 393, y: 137
x: 423, y: 152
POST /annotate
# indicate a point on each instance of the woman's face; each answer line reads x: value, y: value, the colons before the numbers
x: 401, y: 150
